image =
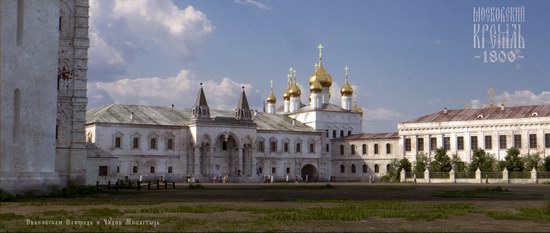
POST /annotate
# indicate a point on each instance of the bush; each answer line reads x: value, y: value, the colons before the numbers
x: 485, y: 162
x: 546, y: 164
x: 532, y: 161
x: 6, y: 196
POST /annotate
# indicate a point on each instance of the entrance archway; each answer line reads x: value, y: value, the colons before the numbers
x: 310, y: 172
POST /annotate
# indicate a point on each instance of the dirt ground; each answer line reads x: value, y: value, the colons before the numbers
x: 511, y: 198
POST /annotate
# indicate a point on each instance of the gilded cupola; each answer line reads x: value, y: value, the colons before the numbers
x: 320, y: 74
x: 346, y: 88
x: 293, y: 89
x: 271, y: 98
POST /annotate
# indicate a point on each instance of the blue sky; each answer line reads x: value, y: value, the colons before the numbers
x: 406, y: 58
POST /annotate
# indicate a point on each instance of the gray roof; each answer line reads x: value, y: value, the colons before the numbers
x: 167, y: 116
x: 201, y: 99
x: 489, y: 113
x: 366, y: 136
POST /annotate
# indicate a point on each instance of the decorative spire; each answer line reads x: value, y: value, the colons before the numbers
x: 286, y: 96
x: 346, y: 88
x: 293, y: 89
x: 271, y: 98
x: 320, y: 47
x: 243, y: 110
x: 491, y: 93
x: 201, y: 109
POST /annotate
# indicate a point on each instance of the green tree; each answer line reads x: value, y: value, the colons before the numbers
x: 458, y: 164
x: 546, y: 164
x: 485, y: 162
x: 512, y: 161
x: 394, y: 171
x: 421, y: 163
x: 532, y: 161
x: 442, y: 162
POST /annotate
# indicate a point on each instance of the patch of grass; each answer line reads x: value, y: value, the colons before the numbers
x: 477, y: 193
x: 102, y: 213
x: 199, y: 209
x: 86, y: 202
x: 533, y: 214
x: 196, y: 186
x: 10, y: 216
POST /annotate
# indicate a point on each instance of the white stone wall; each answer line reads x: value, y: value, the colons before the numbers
x: 28, y: 42
x: 370, y: 158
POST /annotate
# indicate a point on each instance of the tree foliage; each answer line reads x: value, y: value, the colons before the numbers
x: 532, y: 161
x: 442, y: 162
x: 485, y: 162
x: 512, y: 161
x: 421, y: 163
x: 394, y: 171
x: 546, y: 164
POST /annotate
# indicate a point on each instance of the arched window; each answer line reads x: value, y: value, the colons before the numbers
x: 341, y: 149
x: 261, y: 146
x: 298, y: 147
x: 328, y: 147
x: 135, y: 169
x: 376, y: 149
x: 170, y: 169
x: 224, y: 145
x: 353, y: 168
x: 117, y: 142
x: 273, y: 146
x: 365, y: 168
x: 388, y: 148
x: 388, y: 167
x: 364, y: 149
x: 333, y: 133
x: 376, y: 168
x: 352, y: 149
x: 152, y: 169
x: 342, y: 168
x: 170, y: 144
x: 153, y: 143
x: 135, y: 143
x: 311, y: 148
x: 260, y: 170
x: 285, y: 147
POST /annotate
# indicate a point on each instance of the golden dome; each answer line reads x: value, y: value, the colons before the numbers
x: 286, y: 96
x: 271, y: 97
x: 346, y: 89
x: 294, y: 90
x: 322, y: 76
x: 316, y: 87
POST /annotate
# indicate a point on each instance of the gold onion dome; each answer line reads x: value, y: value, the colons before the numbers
x: 316, y: 87
x: 346, y: 88
x: 294, y: 90
x: 271, y: 98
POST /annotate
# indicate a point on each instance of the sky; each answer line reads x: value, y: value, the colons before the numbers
x: 406, y: 59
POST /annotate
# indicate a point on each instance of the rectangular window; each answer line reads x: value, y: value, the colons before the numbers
x: 532, y: 141
x: 103, y: 170
x: 407, y: 144
x: 298, y: 147
x: 328, y: 148
x: 287, y: 170
x: 420, y: 144
x: 488, y: 142
x: 117, y: 169
x: 502, y: 142
x: 152, y: 169
x: 261, y: 146
x: 170, y: 169
x: 327, y: 133
x: 517, y: 141
x: 341, y: 149
x: 547, y: 140
x: 273, y: 147
x: 433, y: 144
x: 117, y: 142
x: 341, y: 133
x: 473, y: 142
x: 285, y: 147
x: 333, y: 133
x: 273, y: 170
x: 311, y: 148
x: 135, y: 169
x: 460, y: 143
x: 447, y: 143
x: 349, y: 133
x: 153, y: 143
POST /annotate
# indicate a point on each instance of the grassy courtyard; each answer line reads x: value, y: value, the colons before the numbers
x: 282, y: 207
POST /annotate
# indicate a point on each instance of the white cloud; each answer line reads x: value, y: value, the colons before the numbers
x: 122, y: 30
x: 255, y: 3
x: 381, y: 114
x: 180, y: 90
x: 523, y: 97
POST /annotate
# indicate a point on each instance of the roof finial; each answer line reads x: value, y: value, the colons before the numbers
x: 289, y: 75
x: 491, y: 93
x: 242, y: 87
x: 316, y: 66
x: 271, y: 84
x: 346, y: 69
x: 201, y: 84
x: 320, y: 47
x: 294, y: 72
